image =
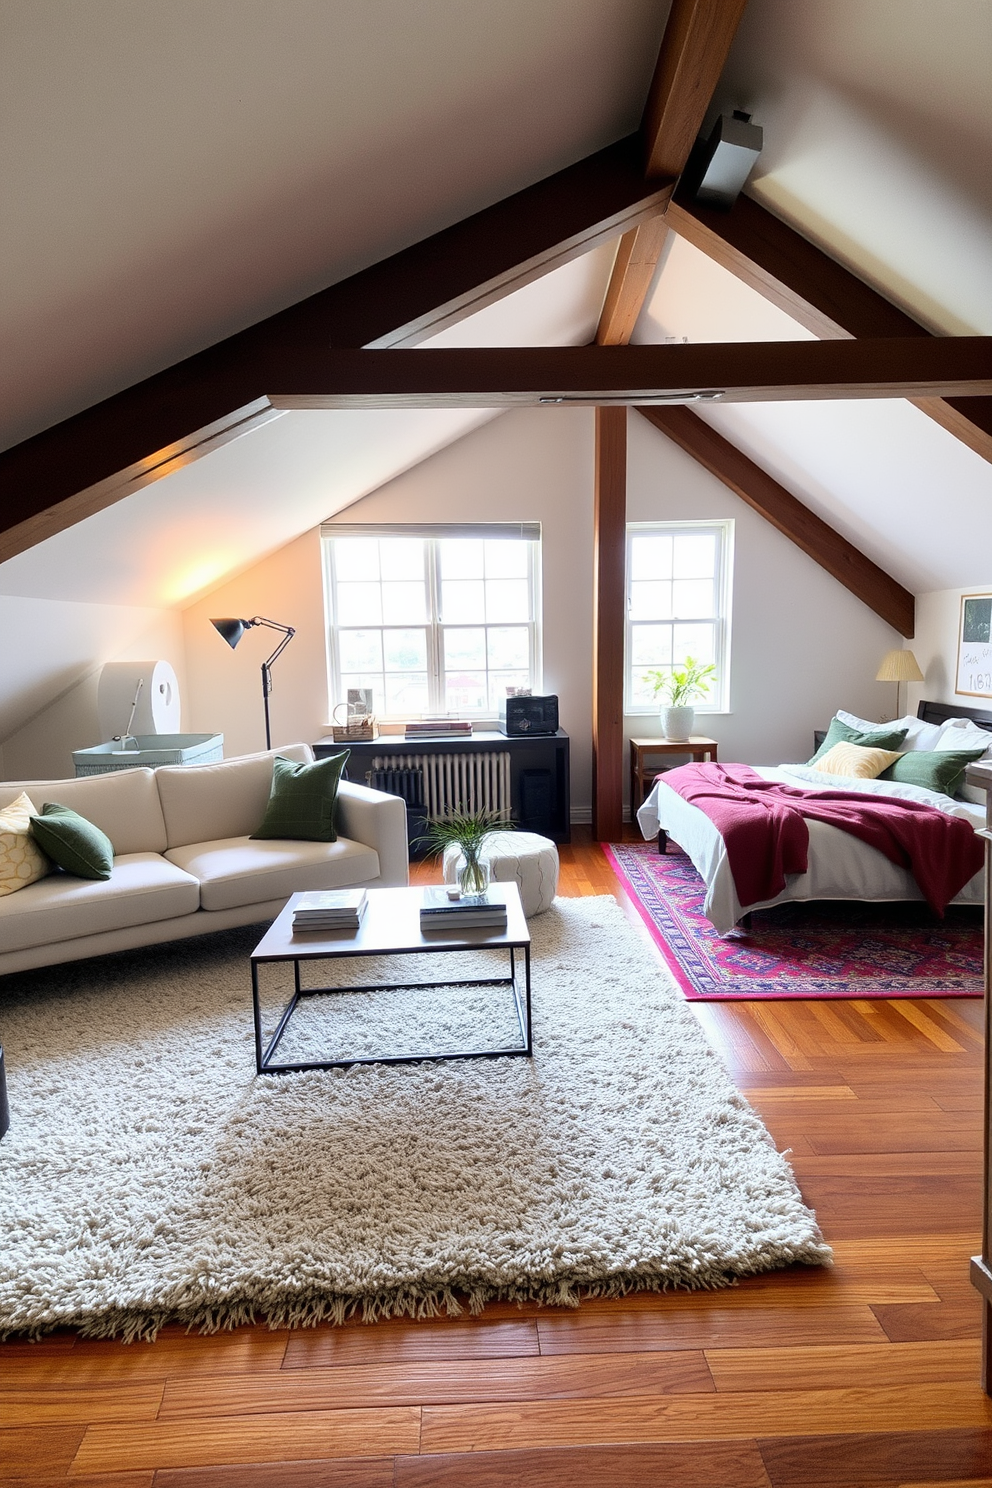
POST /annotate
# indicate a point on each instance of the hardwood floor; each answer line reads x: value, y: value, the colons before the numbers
x: 863, y: 1374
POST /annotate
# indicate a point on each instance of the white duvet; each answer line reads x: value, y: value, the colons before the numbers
x: 840, y: 866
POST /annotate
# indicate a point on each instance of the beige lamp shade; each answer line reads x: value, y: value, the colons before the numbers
x: 899, y: 666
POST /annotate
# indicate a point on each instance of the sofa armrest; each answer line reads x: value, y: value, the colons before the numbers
x: 379, y: 821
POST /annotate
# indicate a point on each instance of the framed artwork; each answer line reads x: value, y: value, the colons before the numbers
x: 974, y: 678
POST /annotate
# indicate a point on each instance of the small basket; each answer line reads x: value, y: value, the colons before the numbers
x: 360, y: 729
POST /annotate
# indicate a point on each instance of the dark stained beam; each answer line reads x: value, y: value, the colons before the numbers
x: 871, y: 584
x: 506, y: 377
x: 816, y: 291
x: 609, y: 563
x: 693, y: 52
x: 633, y: 270
x: 95, y: 458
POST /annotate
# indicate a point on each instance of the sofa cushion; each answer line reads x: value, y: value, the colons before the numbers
x: 123, y: 803
x: 142, y: 888
x: 302, y: 804
x: 241, y: 871
x: 209, y: 803
x: 72, y: 842
x: 22, y: 861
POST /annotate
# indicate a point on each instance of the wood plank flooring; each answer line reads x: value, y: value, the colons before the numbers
x: 866, y: 1373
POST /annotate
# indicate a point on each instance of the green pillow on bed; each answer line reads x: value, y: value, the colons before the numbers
x: 941, y: 771
x: 842, y: 733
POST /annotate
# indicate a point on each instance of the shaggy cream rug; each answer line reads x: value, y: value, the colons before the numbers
x: 149, y: 1175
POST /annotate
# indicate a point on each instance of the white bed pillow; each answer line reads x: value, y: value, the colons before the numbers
x: 919, y: 735
x: 964, y: 733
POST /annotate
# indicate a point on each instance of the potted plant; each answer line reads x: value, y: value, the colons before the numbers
x: 678, y: 689
x: 468, y: 831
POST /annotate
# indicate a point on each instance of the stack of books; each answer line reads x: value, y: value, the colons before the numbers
x: 330, y: 909
x: 439, y: 728
x: 438, y: 911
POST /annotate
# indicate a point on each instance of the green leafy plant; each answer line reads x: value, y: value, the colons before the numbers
x: 468, y: 831
x: 682, y: 685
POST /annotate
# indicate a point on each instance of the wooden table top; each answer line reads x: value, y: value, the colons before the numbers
x: 390, y: 926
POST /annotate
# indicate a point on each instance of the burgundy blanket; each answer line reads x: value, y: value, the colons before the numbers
x: 762, y: 824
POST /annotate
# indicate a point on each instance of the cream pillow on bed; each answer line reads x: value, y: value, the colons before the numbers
x: 857, y: 761
x: 21, y: 859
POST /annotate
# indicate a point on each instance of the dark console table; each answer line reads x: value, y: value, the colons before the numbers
x: 539, y: 770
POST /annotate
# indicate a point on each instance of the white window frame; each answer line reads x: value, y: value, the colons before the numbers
x: 718, y: 700
x: 529, y: 532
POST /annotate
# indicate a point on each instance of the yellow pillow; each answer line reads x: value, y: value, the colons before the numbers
x: 855, y: 760
x: 21, y: 859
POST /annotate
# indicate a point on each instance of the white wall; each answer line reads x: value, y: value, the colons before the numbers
x: 533, y: 465
x: 802, y: 645
x: 48, y: 690
x: 224, y: 687
x: 938, y: 617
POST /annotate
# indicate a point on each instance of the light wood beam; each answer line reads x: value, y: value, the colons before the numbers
x: 869, y: 583
x: 97, y: 457
x: 740, y: 372
x: 818, y: 292
x: 633, y: 270
x: 693, y: 52
x: 609, y: 555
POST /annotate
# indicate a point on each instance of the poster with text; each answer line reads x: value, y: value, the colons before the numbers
x: 975, y: 646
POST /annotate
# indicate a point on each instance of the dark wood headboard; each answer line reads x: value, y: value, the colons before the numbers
x: 941, y: 712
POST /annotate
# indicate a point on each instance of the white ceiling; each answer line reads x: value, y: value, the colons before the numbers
x: 173, y: 172
x: 178, y: 537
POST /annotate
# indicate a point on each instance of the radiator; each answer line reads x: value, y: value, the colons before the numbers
x: 452, y: 782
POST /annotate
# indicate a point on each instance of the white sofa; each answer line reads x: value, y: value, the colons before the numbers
x: 184, y: 863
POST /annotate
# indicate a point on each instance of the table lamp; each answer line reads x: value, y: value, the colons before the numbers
x: 899, y: 666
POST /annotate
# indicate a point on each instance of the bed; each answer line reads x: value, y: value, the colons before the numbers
x: 839, y: 865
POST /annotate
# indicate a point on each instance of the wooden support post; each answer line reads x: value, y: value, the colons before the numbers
x: 609, y: 555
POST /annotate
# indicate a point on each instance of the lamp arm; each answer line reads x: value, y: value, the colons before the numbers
x: 288, y: 632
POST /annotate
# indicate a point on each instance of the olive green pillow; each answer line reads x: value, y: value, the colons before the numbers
x: 72, y: 842
x: 939, y: 770
x: 303, y: 798
x: 842, y: 733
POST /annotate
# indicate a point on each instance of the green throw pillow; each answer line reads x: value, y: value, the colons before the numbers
x: 842, y: 733
x: 301, y: 805
x: 941, y: 770
x: 72, y: 842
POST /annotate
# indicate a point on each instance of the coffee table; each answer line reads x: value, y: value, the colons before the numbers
x: 391, y: 927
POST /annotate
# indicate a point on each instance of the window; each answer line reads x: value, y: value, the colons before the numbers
x: 433, y: 619
x: 678, y: 605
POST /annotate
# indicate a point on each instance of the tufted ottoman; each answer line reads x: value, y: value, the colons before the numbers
x: 530, y: 860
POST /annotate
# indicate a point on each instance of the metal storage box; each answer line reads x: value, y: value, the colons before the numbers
x: 152, y: 750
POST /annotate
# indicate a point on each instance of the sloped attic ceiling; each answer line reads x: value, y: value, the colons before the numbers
x: 284, y: 149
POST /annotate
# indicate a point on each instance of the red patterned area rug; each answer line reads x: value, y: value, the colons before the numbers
x: 844, y: 950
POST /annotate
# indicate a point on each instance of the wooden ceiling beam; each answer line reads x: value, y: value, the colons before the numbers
x: 507, y: 377
x: 694, y: 49
x: 633, y: 272
x: 818, y: 292
x: 97, y: 457
x: 846, y: 563
x: 693, y: 52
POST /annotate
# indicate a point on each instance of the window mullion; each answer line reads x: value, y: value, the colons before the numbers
x: 435, y: 649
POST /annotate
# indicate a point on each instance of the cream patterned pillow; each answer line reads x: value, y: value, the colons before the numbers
x: 21, y: 859
x: 857, y: 761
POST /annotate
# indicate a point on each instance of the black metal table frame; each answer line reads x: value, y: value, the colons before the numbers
x: 263, y: 1060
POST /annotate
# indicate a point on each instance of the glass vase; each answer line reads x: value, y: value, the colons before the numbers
x: 472, y: 875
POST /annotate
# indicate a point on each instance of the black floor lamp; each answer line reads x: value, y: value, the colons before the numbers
x: 233, y: 630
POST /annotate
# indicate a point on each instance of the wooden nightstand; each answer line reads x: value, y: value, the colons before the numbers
x: 642, y: 774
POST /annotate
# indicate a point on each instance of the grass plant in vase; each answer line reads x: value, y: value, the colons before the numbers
x: 677, y: 689
x: 468, y: 831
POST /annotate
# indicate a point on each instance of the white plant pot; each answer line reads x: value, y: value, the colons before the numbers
x: 676, y: 723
